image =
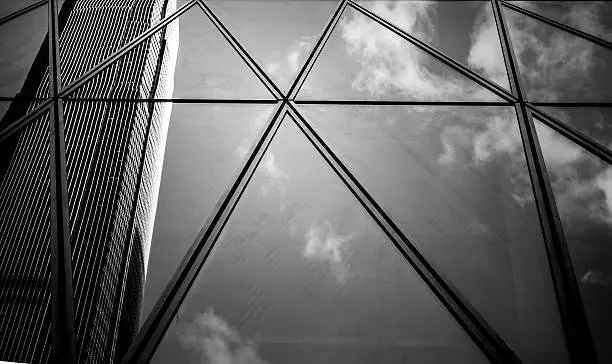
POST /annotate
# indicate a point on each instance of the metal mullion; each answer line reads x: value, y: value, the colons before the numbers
x: 573, y: 104
x: 62, y: 311
x: 23, y: 11
x: 577, y: 32
x: 259, y: 72
x: 484, y: 336
x: 316, y: 50
x: 178, y: 101
x: 401, y: 103
x: 439, y: 55
x: 25, y: 120
x: 152, y: 331
x: 572, y: 134
x: 571, y: 310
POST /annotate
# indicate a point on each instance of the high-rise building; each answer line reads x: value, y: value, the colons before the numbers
x: 114, y: 152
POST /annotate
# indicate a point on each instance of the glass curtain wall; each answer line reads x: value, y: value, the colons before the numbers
x: 305, y: 181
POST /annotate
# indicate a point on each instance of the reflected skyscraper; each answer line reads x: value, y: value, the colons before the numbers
x: 114, y: 155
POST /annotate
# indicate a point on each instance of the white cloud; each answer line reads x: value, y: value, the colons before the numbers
x: 272, y: 68
x: 216, y: 342
x: 276, y: 177
x: 391, y: 64
x: 327, y: 246
x: 597, y: 278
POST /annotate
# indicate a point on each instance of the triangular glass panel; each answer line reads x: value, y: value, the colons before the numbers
x: 456, y: 183
x: 471, y: 38
x: 363, y: 60
x: 582, y: 186
x: 94, y: 31
x: 594, y: 122
x: 592, y: 17
x: 278, y: 34
x: 557, y: 66
x: 302, y: 274
x: 25, y: 239
x: 195, y: 62
x: 24, y: 56
x: 8, y: 7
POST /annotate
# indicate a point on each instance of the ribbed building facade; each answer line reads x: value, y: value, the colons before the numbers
x: 114, y: 154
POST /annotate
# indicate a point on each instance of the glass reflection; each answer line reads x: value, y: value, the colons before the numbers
x: 582, y: 185
x: 206, y: 144
x: 20, y: 42
x: 25, y: 222
x: 7, y: 7
x: 278, y: 34
x: 456, y: 182
x: 302, y: 275
x: 108, y: 25
x: 189, y: 58
x: 593, y: 17
x: 594, y: 122
x: 463, y: 30
x: 556, y: 65
x: 365, y: 60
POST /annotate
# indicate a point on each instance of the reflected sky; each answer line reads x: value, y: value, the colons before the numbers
x: 456, y: 182
x: 20, y: 41
x: 301, y: 274
x: 582, y: 185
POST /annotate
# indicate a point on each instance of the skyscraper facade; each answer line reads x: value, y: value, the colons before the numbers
x: 114, y: 152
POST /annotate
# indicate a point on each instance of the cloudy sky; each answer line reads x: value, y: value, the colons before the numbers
x: 301, y: 273
x: 295, y: 263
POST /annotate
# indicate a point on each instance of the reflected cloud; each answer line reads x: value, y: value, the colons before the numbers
x: 597, y: 278
x: 217, y: 342
x: 277, y: 178
x: 295, y: 56
x: 324, y: 245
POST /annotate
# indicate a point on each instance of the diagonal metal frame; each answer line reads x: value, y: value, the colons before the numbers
x: 581, y: 347
x: 23, y: 11
x: 571, y: 309
x: 574, y: 31
x: 63, y: 348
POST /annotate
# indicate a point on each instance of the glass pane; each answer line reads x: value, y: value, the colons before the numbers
x: 582, y: 185
x: 25, y: 307
x: 20, y: 43
x: 556, y: 65
x: 112, y: 177
x: 109, y: 25
x: 301, y: 274
x: 594, y: 122
x: 194, y: 61
x: 456, y: 182
x: 365, y: 61
x: 593, y: 17
x: 464, y: 30
x: 206, y: 146
x: 278, y: 34
x: 8, y: 7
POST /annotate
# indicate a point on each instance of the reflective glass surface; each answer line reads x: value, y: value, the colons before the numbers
x: 189, y: 58
x: 455, y: 181
x: 278, y: 34
x: 20, y: 41
x: 582, y: 185
x: 556, y: 65
x: 592, y: 17
x: 109, y: 25
x: 594, y: 122
x: 463, y: 30
x: 8, y: 7
x: 301, y: 274
x: 25, y: 275
x: 363, y: 60
x: 205, y: 148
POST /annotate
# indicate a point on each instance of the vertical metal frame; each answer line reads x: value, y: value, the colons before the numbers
x: 63, y: 348
x: 575, y: 324
x: 571, y: 309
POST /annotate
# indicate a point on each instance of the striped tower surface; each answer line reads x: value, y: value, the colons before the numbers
x: 114, y: 156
